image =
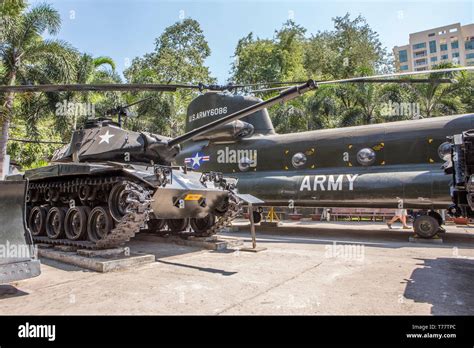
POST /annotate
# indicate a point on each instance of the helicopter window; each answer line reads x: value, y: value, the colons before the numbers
x: 245, y: 163
x: 366, y: 156
x: 298, y: 160
x: 444, y: 151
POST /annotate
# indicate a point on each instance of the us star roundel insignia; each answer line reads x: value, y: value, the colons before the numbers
x: 197, y: 159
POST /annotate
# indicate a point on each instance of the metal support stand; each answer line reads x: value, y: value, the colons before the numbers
x: 250, y: 200
x: 252, y: 227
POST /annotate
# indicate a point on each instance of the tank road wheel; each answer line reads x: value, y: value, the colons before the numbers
x: 100, y: 223
x: 55, y: 222
x: 426, y: 226
x: 75, y: 223
x: 177, y: 225
x: 200, y: 226
x: 37, y: 221
x: 118, y: 201
x: 156, y: 225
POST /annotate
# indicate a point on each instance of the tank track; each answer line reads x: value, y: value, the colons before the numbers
x: 225, y: 220
x: 137, y: 213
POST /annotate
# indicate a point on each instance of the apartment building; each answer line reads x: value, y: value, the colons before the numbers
x: 451, y: 43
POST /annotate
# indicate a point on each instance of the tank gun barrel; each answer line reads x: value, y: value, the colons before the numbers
x: 284, y: 96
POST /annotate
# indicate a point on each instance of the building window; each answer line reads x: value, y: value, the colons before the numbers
x: 434, y: 59
x: 421, y: 62
x: 431, y: 34
x: 403, y: 56
x: 419, y: 45
x: 469, y: 44
x: 455, y: 44
x: 444, y: 57
x: 443, y: 47
x: 419, y: 54
x: 470, y: 56
x: 404, y: 67
x: 455, y: 54
x: 433, y: 46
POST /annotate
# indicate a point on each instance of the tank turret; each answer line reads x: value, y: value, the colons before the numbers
x: 104, y: 140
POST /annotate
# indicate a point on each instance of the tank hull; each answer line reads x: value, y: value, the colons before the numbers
x: 105, y: 204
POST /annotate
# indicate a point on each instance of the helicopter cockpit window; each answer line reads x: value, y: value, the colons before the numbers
x: 366, y: 156
x: 298, y: 160
x: 444, y: 151
x: 245, y: 163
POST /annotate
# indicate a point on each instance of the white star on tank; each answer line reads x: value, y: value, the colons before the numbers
x: 105, y: 137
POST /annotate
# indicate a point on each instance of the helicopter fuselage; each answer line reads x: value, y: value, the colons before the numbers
x: 382, y: 165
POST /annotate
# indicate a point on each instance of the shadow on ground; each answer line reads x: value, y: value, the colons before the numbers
x: 202, y: 269
x: 8, y: 291
x: 445, y: 283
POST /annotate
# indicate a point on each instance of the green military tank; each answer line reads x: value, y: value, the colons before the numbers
x: 109, y: 183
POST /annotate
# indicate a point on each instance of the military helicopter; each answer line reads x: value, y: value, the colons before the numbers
x: 391, y: 165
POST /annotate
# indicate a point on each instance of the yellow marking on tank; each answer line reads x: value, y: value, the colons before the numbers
x: 286, y: 152
x: 286, y: 167
x: 350, y: 164
x: 430, y: 140
x: 192, y: 197
x: 350, y: 146
x: 312, y: 167
x: 431, y: 160
x: 382, y: 163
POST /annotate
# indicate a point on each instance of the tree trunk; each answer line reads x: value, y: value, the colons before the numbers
x: 3, y: 144
x: 6, y: 119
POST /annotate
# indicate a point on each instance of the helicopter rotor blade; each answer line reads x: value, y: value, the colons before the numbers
x: 381, y: 78
x: 368, y: 81
x: 97, y: 87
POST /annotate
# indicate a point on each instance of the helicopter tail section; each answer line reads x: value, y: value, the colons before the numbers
x: 17, y: 254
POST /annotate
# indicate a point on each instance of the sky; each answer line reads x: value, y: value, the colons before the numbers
x: 124, y: 29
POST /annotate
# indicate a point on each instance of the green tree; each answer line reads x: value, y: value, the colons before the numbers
x: 351, y: 49
x: 443, y: 99
x: 24, y: 54
x: 179, y: 57
x: 276, y: 59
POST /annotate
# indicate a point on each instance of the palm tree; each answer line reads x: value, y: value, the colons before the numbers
x: 24, y: 53
x: 91, y: 70
x: 441, y: 99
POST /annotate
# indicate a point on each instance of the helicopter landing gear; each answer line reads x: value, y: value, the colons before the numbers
x: 257, y: 216
x: 428, y: 224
